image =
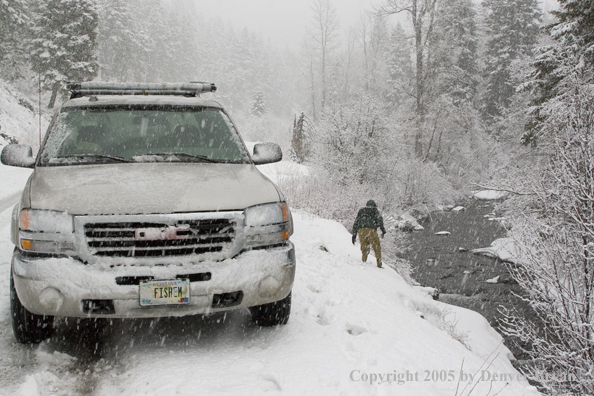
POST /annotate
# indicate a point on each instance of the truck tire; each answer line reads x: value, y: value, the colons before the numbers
x: 273, y: 314
x: 28, y: 328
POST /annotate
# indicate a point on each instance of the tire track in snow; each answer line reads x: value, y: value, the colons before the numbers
x: 65, y: 365
x: 16, y: 359
x: 69, y: 363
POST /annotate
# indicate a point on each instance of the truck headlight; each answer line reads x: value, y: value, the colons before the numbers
x: 46, y: 231
x: 267, y: 224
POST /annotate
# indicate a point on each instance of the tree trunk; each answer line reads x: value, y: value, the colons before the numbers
x: 419, y: 84
x: 323, y: 104
x: 52, y: 101
x: 422, y: 19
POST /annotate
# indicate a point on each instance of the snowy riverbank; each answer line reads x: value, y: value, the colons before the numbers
x: 351, y: 322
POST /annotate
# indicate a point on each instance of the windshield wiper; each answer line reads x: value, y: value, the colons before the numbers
x: 198, y: 158
x: 97, y: 156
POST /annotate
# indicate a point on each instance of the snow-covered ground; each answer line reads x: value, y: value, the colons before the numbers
x: 19, y: 117
x: 355, y: 329
x: 278, y: 171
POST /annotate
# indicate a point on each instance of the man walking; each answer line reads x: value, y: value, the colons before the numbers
x: 366, y: 224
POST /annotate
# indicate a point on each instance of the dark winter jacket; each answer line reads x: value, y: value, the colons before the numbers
x: 368, y: 217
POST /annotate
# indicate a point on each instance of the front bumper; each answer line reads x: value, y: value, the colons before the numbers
x: 58, y: 286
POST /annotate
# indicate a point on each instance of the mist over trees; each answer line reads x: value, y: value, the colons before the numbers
x: 411, y: 102
x: 509, y: 40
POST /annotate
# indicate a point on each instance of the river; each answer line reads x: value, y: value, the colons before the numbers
x: 447, y: 263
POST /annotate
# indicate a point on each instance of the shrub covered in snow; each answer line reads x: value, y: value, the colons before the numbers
x: 556, y: 239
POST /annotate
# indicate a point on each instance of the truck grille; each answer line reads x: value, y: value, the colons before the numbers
x: 143, y: 239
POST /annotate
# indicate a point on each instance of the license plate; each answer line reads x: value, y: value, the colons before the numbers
x: 165, y: 292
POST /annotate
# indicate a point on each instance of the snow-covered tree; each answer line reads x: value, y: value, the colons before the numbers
x: 574, y: 29
x: 258, y: 104
x: 400, y: 72
x: 447, y: 132
x: 374, y: 37
x: 421, y: 14
x: 570, y: 55
x: 450, y: 123
x: 308, y: 67
x: 554, y: 232
x: 301, y: 139
x: 241, y: 66
x: 352, y: 143
x: 454, y: 53
x: 186, y: 49
x: 64, y: 43
x: 512, y: 27
x: 556, y: 238
x: 322, y: 37
x: 121, y: 43
x: 162, y: 44
x: 13, y: 29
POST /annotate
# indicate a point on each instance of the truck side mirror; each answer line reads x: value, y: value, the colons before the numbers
x: 20, y: 155
x: 266, y: 153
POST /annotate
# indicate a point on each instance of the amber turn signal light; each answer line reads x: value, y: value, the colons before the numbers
x: 26, y: 244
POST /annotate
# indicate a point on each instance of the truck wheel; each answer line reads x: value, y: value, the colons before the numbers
x: 272, y: 314
x: 28, y: 327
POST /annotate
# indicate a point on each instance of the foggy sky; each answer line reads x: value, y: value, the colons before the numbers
x: 284, y: 22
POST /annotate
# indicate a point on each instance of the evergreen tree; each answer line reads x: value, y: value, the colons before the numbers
x: 400, y: 72
x: 575, y: 28
x: 121, y: 47
x: 160, y: 42
x: 454, y: 52
x: 513, y: 27
x: 242, y: 61
x: 64, y: 43
x: 569, y: 57
x: 301, y: 139
x: 188, y: 48
x: 13, y: 29
x: 258, y: 105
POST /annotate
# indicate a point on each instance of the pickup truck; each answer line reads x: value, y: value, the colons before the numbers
x: 145, y: 202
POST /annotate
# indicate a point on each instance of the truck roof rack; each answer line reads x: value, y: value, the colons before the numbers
x: 80, y: 89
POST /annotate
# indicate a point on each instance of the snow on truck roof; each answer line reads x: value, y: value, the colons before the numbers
x: 107, y: 100
x: 106, y: 93
x: 110, y: 88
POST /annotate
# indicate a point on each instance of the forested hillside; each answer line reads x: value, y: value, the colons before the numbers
x: 407, y: 103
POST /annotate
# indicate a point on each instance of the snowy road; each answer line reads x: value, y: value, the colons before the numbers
x: 9, y: 201
x: 350, y: 321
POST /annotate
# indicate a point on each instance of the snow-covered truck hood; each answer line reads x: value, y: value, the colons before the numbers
x: 149, y: 188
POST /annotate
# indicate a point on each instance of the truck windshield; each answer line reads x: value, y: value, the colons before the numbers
x: 142, y: 134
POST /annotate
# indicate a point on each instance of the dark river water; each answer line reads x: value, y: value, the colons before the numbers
x: 445, y: 262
